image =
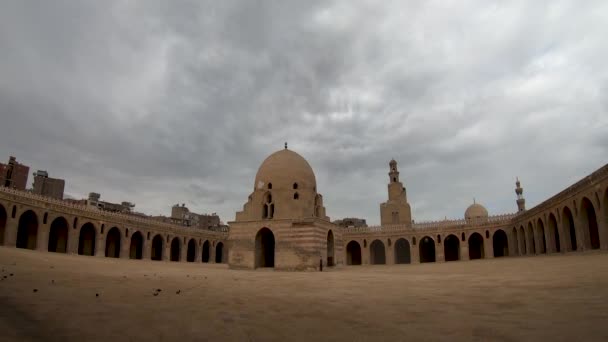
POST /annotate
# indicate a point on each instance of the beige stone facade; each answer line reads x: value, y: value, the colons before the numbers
x: 284, y: 225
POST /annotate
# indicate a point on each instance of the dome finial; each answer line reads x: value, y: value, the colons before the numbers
x: 473, y: 200
x: 286, y: 145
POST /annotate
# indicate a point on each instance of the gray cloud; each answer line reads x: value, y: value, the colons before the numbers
x: 159, y: 103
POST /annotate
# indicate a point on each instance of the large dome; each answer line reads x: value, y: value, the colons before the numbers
x: 285, y: 169
x: 475, y: 211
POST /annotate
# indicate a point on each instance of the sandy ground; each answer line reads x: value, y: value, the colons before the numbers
x: 510, y: 299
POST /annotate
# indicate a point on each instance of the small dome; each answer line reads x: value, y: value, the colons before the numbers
x: 475, y: 211
x: 284, y: 169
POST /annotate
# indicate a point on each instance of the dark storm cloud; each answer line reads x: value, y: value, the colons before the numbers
x: 179, y: 102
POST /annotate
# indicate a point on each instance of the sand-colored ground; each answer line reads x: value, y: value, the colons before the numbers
x: 511, y: 299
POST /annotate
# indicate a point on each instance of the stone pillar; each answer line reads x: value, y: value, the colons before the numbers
x: 439, y: 252
x: 100, y: 246
x: 464, y: 250
x: 147, y: 249
x: 183, y: 257
x: 513, y: 243
x: 602, y: 226
x: 581, y: 234
x: 42, y: 239
x: 125, y: 247
x: 390, y: 253
x: 10, y: 231
x: 212, y: 253
x: 73, y: 240
x: 167, y: 251
x: 415, y: 253
x: 488, y: 247
x: 198, y: 256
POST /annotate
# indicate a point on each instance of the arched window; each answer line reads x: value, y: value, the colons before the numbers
x: 487, y: 234
x: 46, y: 216
x: 268, y: 209
x: 414, y: 241
x: 438, y: 238
x: 269, y: 186
x: 462, y: 237
x: 295, y: 186
x: 296, y: 196
x: 127, y: 232
x: 364, y: 243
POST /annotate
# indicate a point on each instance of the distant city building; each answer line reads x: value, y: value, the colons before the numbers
x: 14, y: 175
x: 46, y: 186
x: 180, y: 214
x: 94, y: 201
x: 348, y: 222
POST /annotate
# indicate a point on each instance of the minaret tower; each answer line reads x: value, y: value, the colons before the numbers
x: 396, y: 210
x: 521, y: 201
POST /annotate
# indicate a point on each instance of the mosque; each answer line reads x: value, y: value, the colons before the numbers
x: 284, y: 225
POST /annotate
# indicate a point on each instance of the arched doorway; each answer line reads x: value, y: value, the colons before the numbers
x: 554, y: 234
x: 540, y: 232
x: 3, y: 217
x: 175, y: 249
x: 569, y: 229
x: 522, y: 241
x: 589, y: 222
x: 219, y: 253
x: 500, y: 244
x: 157, y: 248
x: 58, y: 236
x: 136, y: 248
x: 113, y: 243
x: 426, y: 248
x: 353, y: 253
x: 330, y: 248
x: 27, y: 232
x: 402, y: 251
x: 377, y: 254
x: 205, y: 254
x: 191, y: 254
x: 86, y: 240
x: 476, y: 246
x: 451, y: 248
x: 264, y: 248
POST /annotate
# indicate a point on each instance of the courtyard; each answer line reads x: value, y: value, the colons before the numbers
x: 50, y: 296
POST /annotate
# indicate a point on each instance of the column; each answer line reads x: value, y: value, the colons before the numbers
x: 414, y: 252
x: 147, y: 252
x: 10, y: 233
x: 439, y: 252
x: 198, y: 258
x: 390, y: 253
x: 42, y: 239
x: 212, y: 253
x: 183, y: 257
x: 488, y: 247
x: 73, y: 240
x: 100, y: 246
x: 125, y: 247
x: 464, y: 250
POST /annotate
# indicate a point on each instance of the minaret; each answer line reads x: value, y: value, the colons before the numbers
x: 521, y: 201
x: 396, y: 210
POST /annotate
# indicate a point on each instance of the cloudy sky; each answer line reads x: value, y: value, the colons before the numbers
x: 160, y: 102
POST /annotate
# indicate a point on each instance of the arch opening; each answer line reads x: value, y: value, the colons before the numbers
x: 531, y: 239
x: 58, y: 236
x: 86, y: 239
x: 219, y: 253
x: 191, y: 254
x: 476, y: 246
x: 113, y: 243
x: 3, y: 218
x: 540, y: 231
x: 515, y: 242
x: 205, y: 253
x: 377, y: 253
x: 402, y: 252
x: 175, y: 249
x: 264, y: 248
x: 554, y: 234
x: 136, y: 247
x: 426, y: 248
x: 589, y: 223
x: 353, y: 253
x: 500, y: 244
x: 157, y: 248
x: 27, y: 233
x: 523, y: 250
x: 330, y: 248
x: 451, y: 248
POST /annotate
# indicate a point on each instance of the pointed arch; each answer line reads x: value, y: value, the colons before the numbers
x: 554, y: 234
x: 377, y: 253
x: 589, y: 224
x: 476, y: 250
x: 3, y: 218
x: 402, y: 251
x: 113, y: 243
x: 58, y: 235
x: 136, y: 247
x: 330, y: 248
x: 264, y: 248
x: 531, y: 243
x: 157, y: 248
x: 175, y: 249
x: 191, y: 254
x: 451, y: 248
x: 540, y: 233
x: 205, y: 252
x: 569, y: 229
x: 27, y: 232
x: 500, y: 243
x: 353, y: 253
x: 86, y: 239
x: 219, y: 253
x: 515, y: 242
x: 426, y: 249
